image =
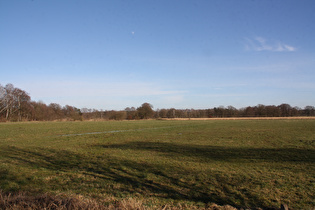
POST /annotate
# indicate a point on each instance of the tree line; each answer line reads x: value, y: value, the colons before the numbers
x: 16, y: 105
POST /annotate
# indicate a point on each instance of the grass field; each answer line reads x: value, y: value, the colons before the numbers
x: 243, y: 163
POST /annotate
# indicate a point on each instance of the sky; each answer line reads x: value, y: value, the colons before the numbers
x: 170, y: 53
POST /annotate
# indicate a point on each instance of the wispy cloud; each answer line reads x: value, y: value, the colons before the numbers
x: 262, y: 44
x: 107, y: 95
x: 95, y: 89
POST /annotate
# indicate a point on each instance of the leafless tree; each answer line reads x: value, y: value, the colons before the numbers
x: 12, y: 100
x: 145, y: 111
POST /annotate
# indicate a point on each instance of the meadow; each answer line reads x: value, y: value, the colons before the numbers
x: 242, y: 163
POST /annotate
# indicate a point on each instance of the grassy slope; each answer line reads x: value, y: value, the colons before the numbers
x: 243, y: 163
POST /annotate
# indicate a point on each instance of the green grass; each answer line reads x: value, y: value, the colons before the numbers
x: 243, y: 163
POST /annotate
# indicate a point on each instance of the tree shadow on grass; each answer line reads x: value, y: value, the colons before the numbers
x: 129, y: 174
x: 204, y: 153
x: 165, y: 181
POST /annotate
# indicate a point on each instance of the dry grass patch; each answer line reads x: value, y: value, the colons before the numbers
x: 243, y: 118
x: 13, y: 201
x: 46, y: 201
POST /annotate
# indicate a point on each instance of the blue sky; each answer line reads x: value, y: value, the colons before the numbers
x: 170, y: 53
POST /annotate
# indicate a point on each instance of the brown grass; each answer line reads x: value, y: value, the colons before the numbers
x: 45, y: 201
x: 13, y: 201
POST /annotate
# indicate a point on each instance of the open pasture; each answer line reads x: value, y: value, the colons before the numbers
x: 243, y: 163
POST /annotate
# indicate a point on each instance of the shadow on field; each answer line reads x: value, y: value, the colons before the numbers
x: 149, y: 179
x: 207, y: 153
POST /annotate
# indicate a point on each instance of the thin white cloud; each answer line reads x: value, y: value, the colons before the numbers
x: 96, y: 89
x: 173, y: 99
x: 106, y: 95
x: 262, y: 44
x: 225, y: 95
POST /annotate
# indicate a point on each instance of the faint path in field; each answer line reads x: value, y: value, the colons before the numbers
x: 116, y: 131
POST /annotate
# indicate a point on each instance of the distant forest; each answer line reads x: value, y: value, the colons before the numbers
x: 16, y: 105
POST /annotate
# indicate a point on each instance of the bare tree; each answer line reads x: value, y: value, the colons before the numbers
x: 21, y: 99
x: 2, y: 99
x: 145, y: 111
x: 285, y: 110
x: 309, y: 110
x: 13, y: 101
